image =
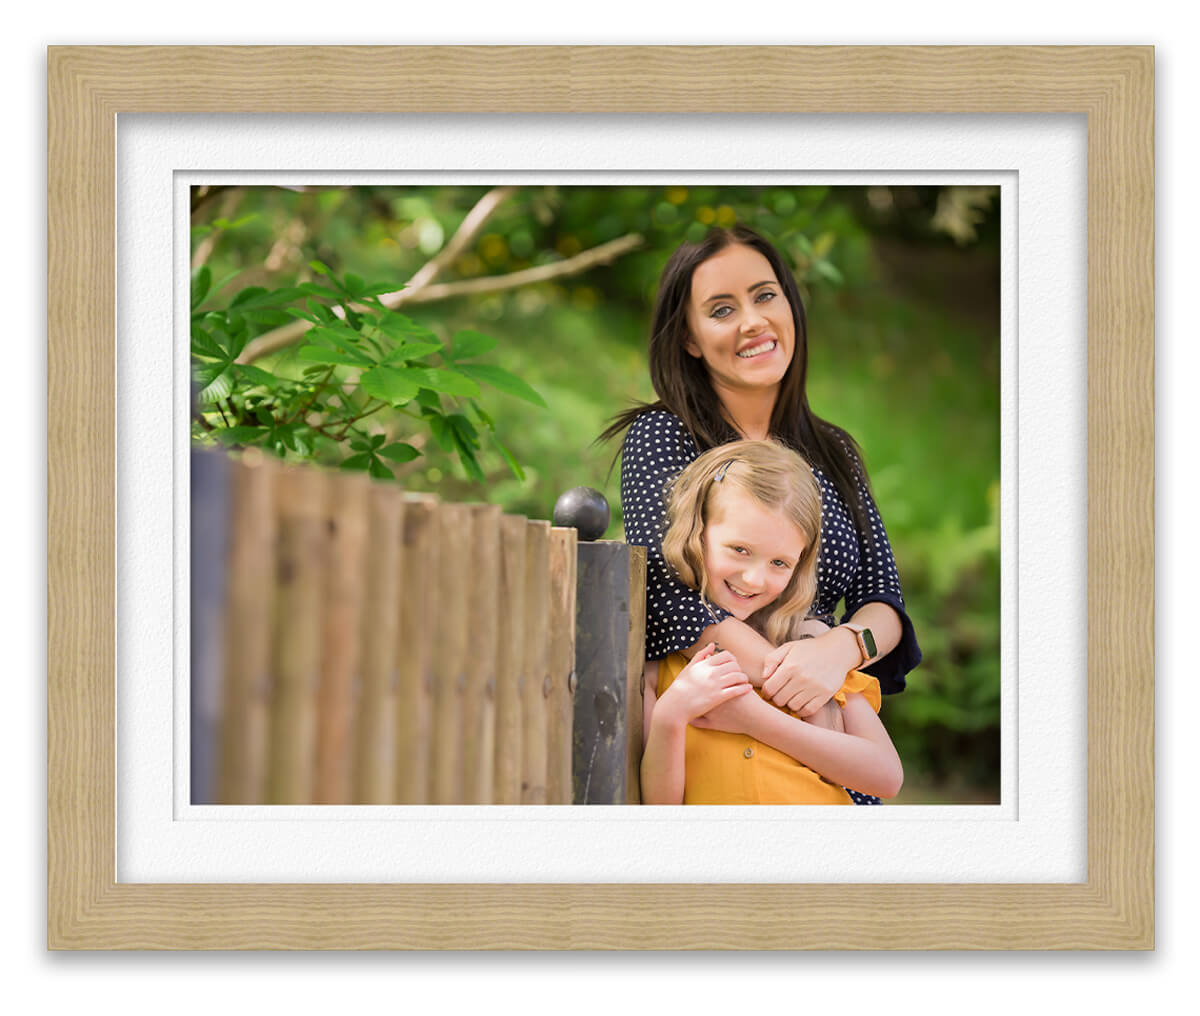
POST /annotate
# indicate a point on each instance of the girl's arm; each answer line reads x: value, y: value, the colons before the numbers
x: 709, y: 680
x: 863, y: 757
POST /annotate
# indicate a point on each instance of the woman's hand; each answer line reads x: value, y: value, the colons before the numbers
x: 709, y: 680
x: 802, y: 676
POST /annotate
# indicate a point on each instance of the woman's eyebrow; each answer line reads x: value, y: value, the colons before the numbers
x: 729, y: 296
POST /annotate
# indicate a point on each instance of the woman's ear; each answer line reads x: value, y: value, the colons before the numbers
x: 692, y: 348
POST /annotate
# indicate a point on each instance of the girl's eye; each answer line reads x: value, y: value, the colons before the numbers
x: 780, y: 564
x: 738, y: 550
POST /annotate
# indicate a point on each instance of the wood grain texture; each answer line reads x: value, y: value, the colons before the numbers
x: 1113, y: 86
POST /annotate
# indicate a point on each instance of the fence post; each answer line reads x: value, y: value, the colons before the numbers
x: 609, y: 647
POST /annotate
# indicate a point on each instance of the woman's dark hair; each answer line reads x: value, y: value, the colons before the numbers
x: 683, y: 386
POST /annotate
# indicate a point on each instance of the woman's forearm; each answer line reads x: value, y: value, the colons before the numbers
x: 884, y: 623
x: 744, y: 642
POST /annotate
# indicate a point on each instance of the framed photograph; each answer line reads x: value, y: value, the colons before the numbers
x: 132, y: 867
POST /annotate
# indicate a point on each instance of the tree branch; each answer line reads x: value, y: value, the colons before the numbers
x: 272, y: 341
x: 581, y: 262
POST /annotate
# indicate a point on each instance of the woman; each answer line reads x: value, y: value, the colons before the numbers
x: 729, y: 360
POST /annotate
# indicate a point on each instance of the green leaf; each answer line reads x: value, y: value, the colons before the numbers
x: 442, y: 432
x: 390, y: 384
x: 256, y: 375
x: 502, y: 380
x: 445, y: 381
x: 204, y: 344
x: 467, y: 344
x: 312, y: 289
x: 321, y: 312
x: 320, y: 267
x: 247, y: 294
x: 467, y: 457
x: 464, y: 429
x: 399, y: 452
x: 218, y: 388
x: 411, y: 351
x: 354, y: 284
x: 322, y: 354
x: 201, y: 283
x: 513, y: 465
x: 429, y: 401
x: 258, y: 297
x: 242, y: 435
x: 379, y: 470
x: 400, y: 327
x: 357, y: 461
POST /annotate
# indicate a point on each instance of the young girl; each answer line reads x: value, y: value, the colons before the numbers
x: 744, y: 523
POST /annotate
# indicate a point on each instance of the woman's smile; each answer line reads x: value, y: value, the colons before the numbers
x: 758, y: 349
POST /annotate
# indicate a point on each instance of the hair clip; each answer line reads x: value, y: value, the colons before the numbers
x: 722, y: 471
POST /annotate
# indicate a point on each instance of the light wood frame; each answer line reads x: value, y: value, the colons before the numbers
x: 1113, y: 86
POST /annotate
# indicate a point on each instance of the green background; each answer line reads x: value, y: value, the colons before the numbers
x: 901, y: 285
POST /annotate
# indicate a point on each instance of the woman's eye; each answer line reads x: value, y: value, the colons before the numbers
x: 721, y: 312
x: 765, y: 295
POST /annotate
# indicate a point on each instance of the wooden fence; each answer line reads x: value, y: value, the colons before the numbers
x: 354, y: 644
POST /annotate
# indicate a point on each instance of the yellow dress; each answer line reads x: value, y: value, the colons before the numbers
x: 724, y: 768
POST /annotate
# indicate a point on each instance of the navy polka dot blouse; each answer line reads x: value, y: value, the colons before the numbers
x: 853, y: 565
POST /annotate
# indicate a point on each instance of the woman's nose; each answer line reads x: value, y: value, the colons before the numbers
x: 753, y: 321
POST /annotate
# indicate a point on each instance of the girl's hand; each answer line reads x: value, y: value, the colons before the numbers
x: 737, y: 716
x: 710, y: 679
x: 803, y: 676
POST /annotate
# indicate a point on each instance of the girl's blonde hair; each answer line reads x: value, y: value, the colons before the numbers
x: 778, y: 479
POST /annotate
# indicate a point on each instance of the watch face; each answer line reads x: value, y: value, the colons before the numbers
x: 869, y: 641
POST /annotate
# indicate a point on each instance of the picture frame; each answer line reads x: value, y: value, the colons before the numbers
x: 89, y: 86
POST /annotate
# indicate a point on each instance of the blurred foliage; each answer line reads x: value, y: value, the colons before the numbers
x: 902, y: 292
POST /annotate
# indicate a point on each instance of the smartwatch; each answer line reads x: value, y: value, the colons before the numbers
x: 866, y: 641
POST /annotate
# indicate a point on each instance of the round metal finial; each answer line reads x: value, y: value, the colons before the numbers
x: 585, y: 509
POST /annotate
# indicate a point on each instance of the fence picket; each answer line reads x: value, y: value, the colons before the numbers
x: 414, y: 650
x: 341, y: 660
x: 248, y: 626
x: 299, y: 578
x: 374, y: 765
x: 483, y: 611
x: 510, y: 660
x: 535, y: 674
x: 450, y: 653
x: 560, y: 703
